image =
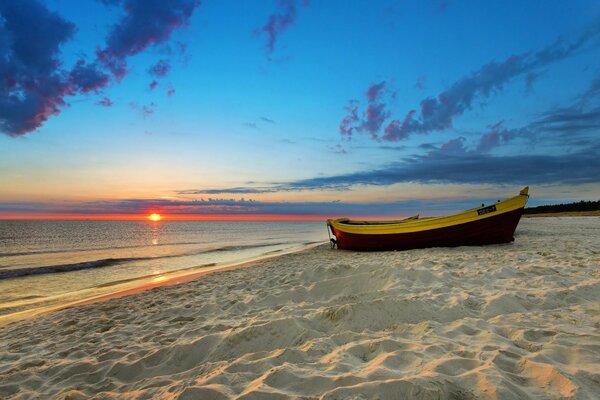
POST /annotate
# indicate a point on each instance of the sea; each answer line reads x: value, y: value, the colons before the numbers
x: 49, y: 264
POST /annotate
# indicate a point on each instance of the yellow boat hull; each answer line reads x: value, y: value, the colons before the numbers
x: 495, y: 223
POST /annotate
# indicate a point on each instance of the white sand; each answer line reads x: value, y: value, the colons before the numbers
x: 509, y: 321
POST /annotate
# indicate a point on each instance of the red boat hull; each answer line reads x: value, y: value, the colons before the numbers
x: 492, y: 230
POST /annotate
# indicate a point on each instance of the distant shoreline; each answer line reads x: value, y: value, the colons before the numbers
x: 595, y: 213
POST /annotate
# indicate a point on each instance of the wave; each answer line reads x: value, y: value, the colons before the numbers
x: 108, y: 262
x: 83, y: 249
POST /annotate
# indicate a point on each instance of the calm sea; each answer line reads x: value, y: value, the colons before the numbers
x: 49, y: 263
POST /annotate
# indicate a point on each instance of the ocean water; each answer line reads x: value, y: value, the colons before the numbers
x: 50, y: 263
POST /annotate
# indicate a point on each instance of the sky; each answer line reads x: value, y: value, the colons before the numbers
x: 300, y: 109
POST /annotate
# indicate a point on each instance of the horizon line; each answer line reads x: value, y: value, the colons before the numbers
x: 177, y: 217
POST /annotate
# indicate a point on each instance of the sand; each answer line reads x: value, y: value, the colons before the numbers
x: 508, y: 321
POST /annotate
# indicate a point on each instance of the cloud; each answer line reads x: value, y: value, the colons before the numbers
x: 497, y: 134
x: 152, y: 85
x: 33, y: 80
x: 279, y: 22
x: 160, y: 69
x: 105, y: 102
x: 446, y: 166
x: 338, y: 148
x: 570, y: 120
x: 267, y: 120
x: 250, y: 125
x: 591, y: 92
x: 438, y: 113
x: 373, y: 118
x: 347, y: 126
x: 146, y: 23
x: 170, y: 90
x: 32, y: 84
x: 574, y: 125
x: 219, y: 206
x: 530, y: 79
x: 454, y: 163
x: 145, y: 110
x: 88, y: 78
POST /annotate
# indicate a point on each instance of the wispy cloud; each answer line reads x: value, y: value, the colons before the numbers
x: 438, y: 113
x: 373, y: 117
x: 105, y: 102
x: 573, y: 125
x: 279, y: 22
x: 146, y: 110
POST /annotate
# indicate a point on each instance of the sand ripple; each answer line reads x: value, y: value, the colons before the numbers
x: 509, y: 322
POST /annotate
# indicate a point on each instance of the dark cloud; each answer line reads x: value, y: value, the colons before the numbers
x: 32, y: 84
x: 250, y: 125
x: 88, y: 77
x: 160, y: 69
x: 146, y: 23
x: 437, y: 113
x: 267, y: 120
x: 569, y: 121
x: 152, y: 85
x: 279, y: 22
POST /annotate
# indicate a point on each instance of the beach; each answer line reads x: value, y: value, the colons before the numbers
x: 512, y: 321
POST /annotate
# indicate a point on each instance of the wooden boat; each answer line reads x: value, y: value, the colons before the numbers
x: 488, y: 224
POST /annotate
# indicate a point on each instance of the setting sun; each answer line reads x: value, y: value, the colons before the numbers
x: 154, y: 217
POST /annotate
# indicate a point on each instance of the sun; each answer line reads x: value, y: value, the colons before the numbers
x: 154, y: 217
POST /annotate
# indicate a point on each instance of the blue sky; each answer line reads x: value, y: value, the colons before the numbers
x: 320, y: 107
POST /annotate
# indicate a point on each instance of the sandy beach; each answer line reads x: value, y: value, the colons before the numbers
x: 507, y: 321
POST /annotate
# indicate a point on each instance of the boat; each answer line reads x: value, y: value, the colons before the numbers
x: 488, y: 224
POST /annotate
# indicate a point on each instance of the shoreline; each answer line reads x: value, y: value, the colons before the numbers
x: 145, y: 283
